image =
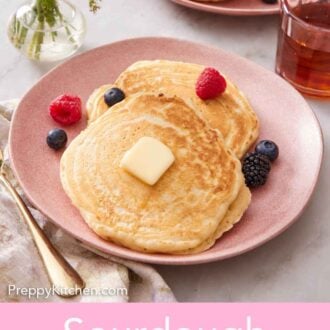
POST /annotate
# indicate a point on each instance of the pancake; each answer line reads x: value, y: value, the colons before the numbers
x: 95, y: 105
x: 232, y: 217
x: 230, y: 113
x: 199, y: 198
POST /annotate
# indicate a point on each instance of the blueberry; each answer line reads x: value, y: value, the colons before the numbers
x: 113, y: 96
x: 268, y: 148
x: 57, y: 138
x: 270, y: 2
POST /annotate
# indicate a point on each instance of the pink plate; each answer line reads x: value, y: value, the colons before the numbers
x: 285, y: 118
x: 233, y: 7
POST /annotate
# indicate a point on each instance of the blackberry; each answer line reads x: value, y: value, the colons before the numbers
x: 256, y: 168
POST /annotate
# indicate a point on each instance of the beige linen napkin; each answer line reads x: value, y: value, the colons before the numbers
x: 109, y: 279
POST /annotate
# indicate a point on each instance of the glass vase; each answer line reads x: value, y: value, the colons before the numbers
x: 47, y: 30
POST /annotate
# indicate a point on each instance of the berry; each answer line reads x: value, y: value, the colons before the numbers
x: 113, y: 96
x: 256, y: 168
x: 270, y: 2
x: 66, y: 109
x: 210, y: 84
x: 57, y: 138
x: 268, y: 148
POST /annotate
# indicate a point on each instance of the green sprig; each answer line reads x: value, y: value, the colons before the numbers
x: 94, y: 5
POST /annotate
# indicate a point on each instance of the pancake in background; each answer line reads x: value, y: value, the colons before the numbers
x: 199, y: 197
x: 95, y: 104
x: 230, y: 113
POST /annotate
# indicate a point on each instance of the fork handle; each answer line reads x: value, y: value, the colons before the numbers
x: 61, y: 274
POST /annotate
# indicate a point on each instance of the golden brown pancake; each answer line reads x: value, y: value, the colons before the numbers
x: 229, y: 113
x: 201, y: 195
x: 232, y: 217
x: 95, y: 105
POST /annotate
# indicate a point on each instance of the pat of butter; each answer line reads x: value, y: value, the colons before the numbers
x: 148, y: 160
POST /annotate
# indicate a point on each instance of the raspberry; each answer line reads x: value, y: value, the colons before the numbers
x: 66, y: 109
x: 210, y: 84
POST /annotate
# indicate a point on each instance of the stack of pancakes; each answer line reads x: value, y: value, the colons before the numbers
x: 200, y: 197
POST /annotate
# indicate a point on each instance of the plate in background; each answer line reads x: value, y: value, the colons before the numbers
x: 285, y: 117
x: 233, y: 7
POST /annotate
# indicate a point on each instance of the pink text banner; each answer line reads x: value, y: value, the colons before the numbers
x: 165, y: 316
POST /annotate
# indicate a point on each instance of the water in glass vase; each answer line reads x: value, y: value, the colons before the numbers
x: 47, y: 30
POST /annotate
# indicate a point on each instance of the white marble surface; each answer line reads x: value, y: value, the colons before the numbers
x: 292, y: 267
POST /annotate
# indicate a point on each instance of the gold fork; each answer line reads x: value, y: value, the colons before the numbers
x: 65, y: 279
